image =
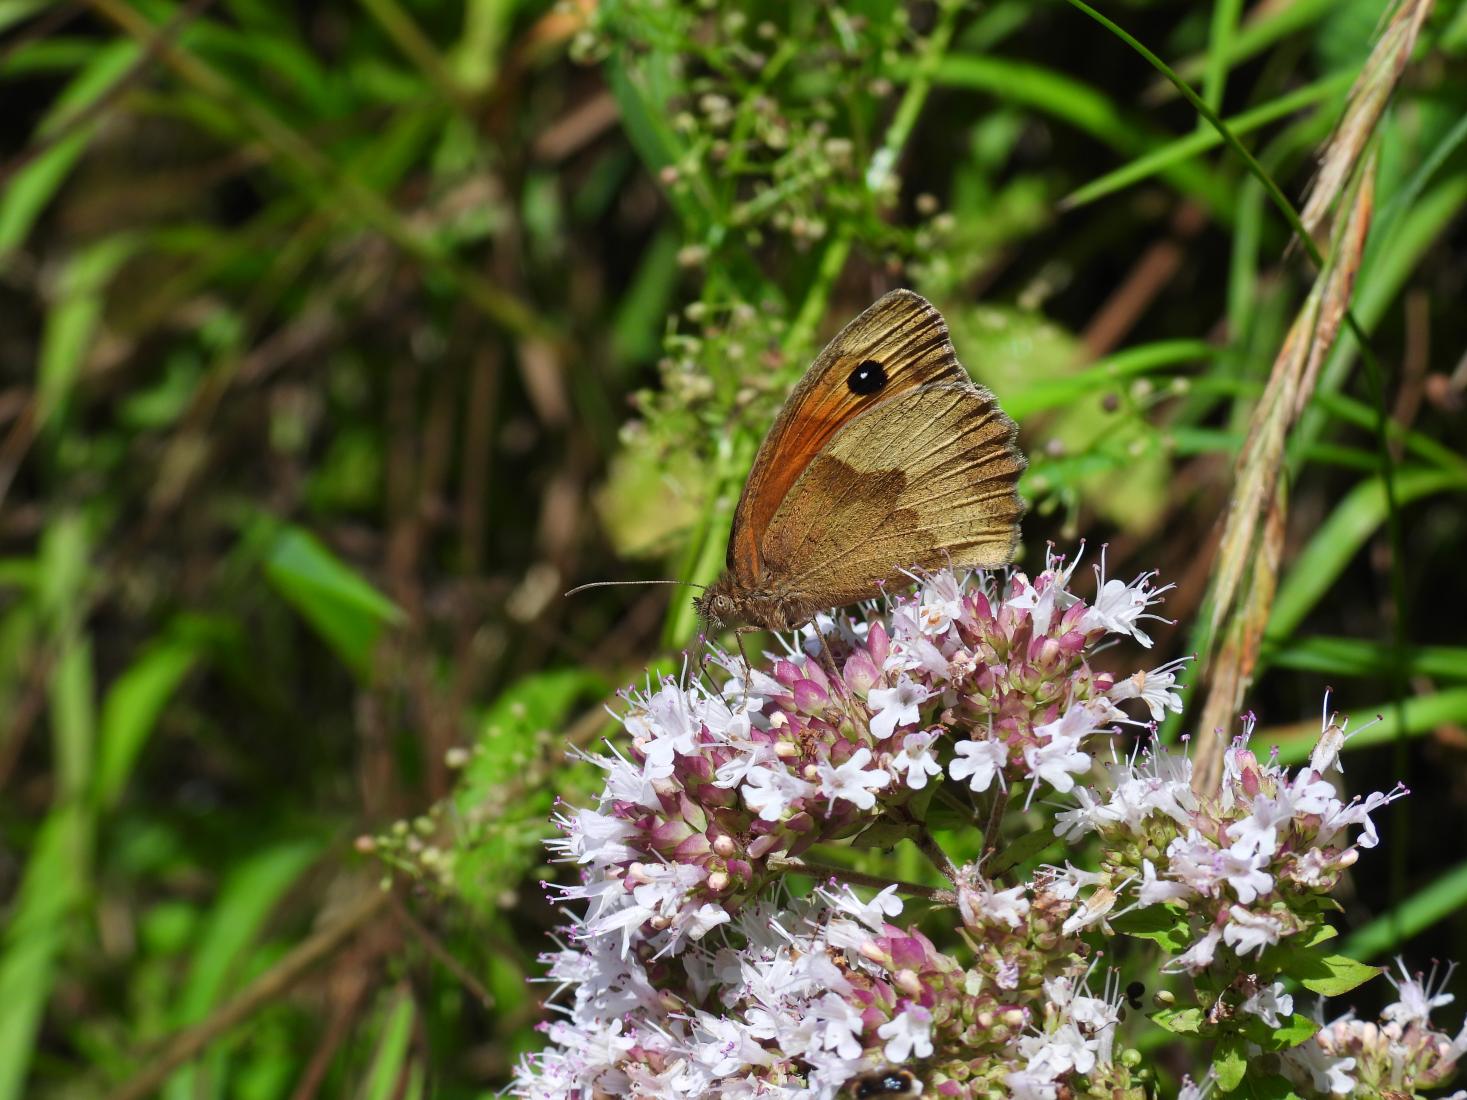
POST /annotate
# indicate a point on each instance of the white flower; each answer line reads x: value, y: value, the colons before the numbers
x: 1085, y: 818
x: 1067, y: 884
x: 907, y: 1034
x: 1027, y: 1085
x: 941, y: 603
x: 1040, y: 605
x: 1270, y: 1004
x: 1242, y: 865
x: 871, y: 913
x: 1154, y: 890
x: 1248, y: 931
x: 838, y: 1025
x: 851, y: 781
x: 1198, y: 957
x: 1192, y: 858
x: 1324, y: 1071
x: 1416, y: 997
x: 979, y: 902
x: 917, y: 759
x: 1059, y: 759
x: 978, y: 762
x: 895, y: 706
x: 1008, y: 974
x: 1155, y: 688
x: 1119, y: 607
x: 770, y: 791
x: 591, y: 837
x: 1093, y: 910
x: 1357, y: 813
x: 665, y: 723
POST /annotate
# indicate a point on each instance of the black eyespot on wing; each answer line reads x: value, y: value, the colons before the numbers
x: 868, y: 378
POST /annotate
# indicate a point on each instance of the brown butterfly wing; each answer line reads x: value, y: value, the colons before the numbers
x: 906, y: 337
x: 922, y: 480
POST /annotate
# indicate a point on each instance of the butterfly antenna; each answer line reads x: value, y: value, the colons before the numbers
x: 609, y: 584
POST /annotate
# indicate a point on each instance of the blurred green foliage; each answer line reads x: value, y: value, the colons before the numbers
x: 339, y: 340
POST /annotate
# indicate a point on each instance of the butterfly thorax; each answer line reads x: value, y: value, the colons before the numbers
x: 729, y: 602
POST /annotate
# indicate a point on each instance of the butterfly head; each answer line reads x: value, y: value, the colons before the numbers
x: 717, y: 606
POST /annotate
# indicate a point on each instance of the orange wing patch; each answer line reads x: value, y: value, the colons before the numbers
x: 898, y: 344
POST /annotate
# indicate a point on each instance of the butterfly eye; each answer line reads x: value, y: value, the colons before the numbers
x: 868, y: 377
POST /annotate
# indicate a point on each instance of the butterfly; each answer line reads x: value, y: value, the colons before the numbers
x: 886, y: 458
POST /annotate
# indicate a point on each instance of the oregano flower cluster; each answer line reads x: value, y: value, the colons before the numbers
x: 699, y: 962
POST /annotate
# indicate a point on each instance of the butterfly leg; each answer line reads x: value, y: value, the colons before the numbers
x: 739, y: 633
x: 837, y: 679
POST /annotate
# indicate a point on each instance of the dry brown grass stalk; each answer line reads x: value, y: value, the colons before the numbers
x: 1246, y: 571
x: 1368, y: 98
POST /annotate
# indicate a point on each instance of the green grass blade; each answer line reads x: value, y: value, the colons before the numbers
x: 130, y: 712
x: 24, y: 197
x: 392, y: 1050
x: 40, y: 921
x: 1105, y: 373
x: 72, y: 322
x: 344, y: 608
x: 1361, y: 658
x: 1083, y: 107
x: 1184, y: 148
x: 1341, y: 537
x: 1443, y: 898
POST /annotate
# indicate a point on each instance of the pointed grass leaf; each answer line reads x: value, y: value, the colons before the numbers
x: 1444, y: 897
x: 39, y: 923
x: 393, y: 1044
x: 130, y: 713
x: 348, y: 613
x: 1343, y: 534
x: 25, y: 195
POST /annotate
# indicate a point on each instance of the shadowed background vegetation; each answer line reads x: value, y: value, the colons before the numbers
x: 338, y: 340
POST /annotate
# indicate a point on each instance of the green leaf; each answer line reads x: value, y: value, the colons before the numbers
x: 1333, y: 975
x: 507, y: 792
x: 1017, y: 851
x: 1080, y: 105
x: 1339, y: 538
x: 250, y: 892
x: 1442, y: 898
x: 1200, y: 141
x: 343, y: 607
x: 1164, y: 924
x: 1361, y: 657
x: 73, y: 320
x: 1179, y: 1021
x: 26, y: 194
x: 38, y: 925
x: 1268, y: 1086
x: 1293, y: 1031
x: 130, y: 711
x: 392, y: 1049
x: 1230, y: 1062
